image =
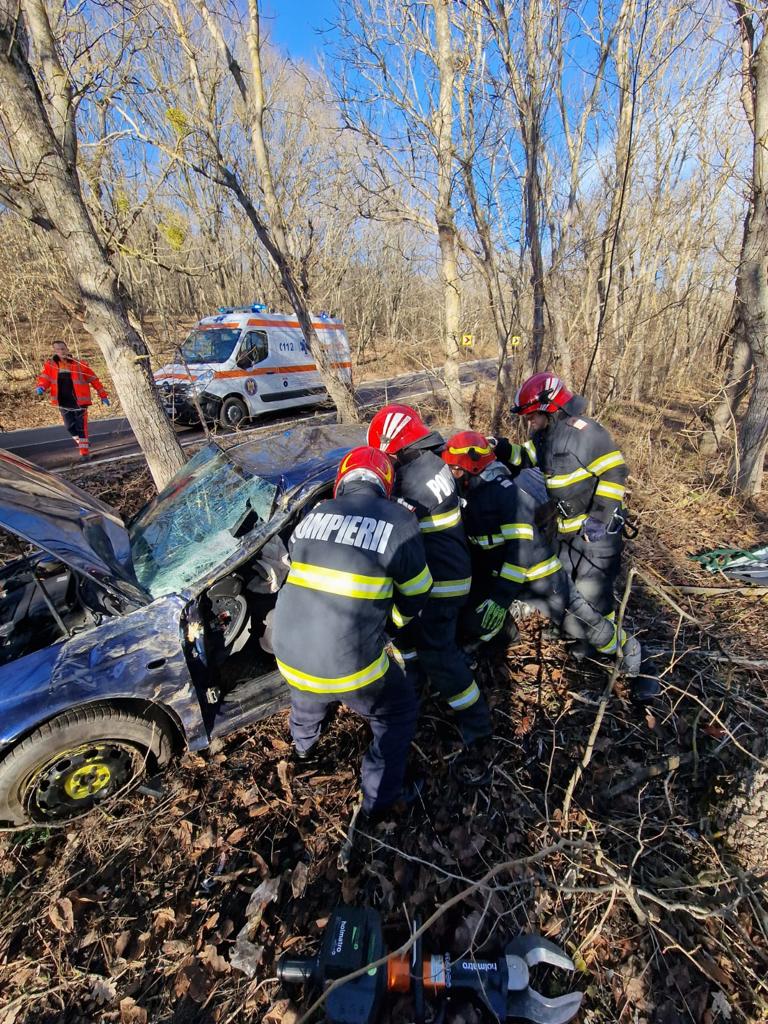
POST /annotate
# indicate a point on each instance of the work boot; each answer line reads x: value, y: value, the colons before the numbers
x: 306, y: 759
x: 646, y: 684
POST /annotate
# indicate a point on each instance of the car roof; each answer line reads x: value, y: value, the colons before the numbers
x: 297, y: 457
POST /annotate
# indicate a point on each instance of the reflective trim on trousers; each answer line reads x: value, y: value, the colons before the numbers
x: 466, y: 698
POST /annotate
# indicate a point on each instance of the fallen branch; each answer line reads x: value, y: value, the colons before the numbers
x: 576, y: 777
x: 669, y: 764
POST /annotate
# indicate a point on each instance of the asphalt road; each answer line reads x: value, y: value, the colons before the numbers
x: 53, y: 448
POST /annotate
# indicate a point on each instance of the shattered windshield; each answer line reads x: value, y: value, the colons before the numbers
x: 212, y: 346
x: 197, y: 522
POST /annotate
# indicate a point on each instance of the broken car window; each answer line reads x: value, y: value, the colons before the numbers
x: 194, y: 525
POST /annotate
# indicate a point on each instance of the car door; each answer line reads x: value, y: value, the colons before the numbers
x: 254, y: 349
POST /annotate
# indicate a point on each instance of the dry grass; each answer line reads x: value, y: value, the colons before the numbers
x: 133, y: 915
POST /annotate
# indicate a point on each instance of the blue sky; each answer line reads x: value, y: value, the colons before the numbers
x: 292, y: 25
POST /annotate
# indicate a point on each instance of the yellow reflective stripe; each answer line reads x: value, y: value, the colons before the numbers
x: 613, y: 643
x: 466, y: 698
x: 339, y: 684
x: 608, y: 490
x: 335, y: 581
x: 420, y: 584
x: 530, y: 448
x: 513, y: 572
x: 571, y: 525
x: 398, y: 618
x: 471, y: 448
x: 515, y: 455
x: 485, y: 541
x: 451, y: 588
x: 566, y: 479
x: 536, y: 572
x: 606, y: 462
x: 442, y: 521
x: 521, y: 531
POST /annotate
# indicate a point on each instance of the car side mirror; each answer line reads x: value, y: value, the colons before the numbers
x: 244, y: 362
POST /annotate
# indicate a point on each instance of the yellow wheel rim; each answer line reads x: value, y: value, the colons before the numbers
x: 86, y: 780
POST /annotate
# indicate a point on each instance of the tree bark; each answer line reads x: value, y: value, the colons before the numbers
x: 47, y: 178
x: 752, y: 280
x: 444, y: 217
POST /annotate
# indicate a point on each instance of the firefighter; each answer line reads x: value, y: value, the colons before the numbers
x: 513, y: 563
x: 426, y: 484
x: 355, y: 560
x: 586, y: 476
x: 69, y: 382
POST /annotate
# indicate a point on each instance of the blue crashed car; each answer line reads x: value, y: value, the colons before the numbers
x: 122, y: 645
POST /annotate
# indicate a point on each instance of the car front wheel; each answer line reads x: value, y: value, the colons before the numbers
x: 77, y: 761
x: 233, y: 412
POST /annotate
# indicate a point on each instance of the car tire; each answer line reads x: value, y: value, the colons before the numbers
x: 76, y: 761
x: 233, y: 412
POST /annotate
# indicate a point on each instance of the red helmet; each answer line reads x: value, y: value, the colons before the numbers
x: 366, y: 463
x: 395, y: 427
x: 543, y: 392
x: 469, y: 450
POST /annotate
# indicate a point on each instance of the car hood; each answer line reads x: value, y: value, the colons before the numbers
x: 77, y: 529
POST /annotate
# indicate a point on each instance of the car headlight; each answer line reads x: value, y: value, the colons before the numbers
x: 201, y: 382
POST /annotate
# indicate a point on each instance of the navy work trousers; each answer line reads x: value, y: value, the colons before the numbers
x: 433, y: 637
x: 391, y: 708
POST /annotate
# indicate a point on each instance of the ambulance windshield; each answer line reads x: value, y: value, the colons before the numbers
x: 198, y: 521
x: 213, y: 345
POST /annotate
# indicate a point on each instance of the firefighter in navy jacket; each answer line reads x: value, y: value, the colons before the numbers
x: 426, y: 484
x: 513, y: 561
x: 586, y: 476
x: 354, y: 560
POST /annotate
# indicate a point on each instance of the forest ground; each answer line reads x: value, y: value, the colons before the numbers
x: 651, y: 876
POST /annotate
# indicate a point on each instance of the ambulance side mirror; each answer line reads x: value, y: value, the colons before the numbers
x: 244, y: 361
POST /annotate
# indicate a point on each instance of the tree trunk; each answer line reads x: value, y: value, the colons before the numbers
x: 49, y: 184
x: 446, y: 227
x: 752, y: 292
x: 737, y: 377
x: 533, y: 237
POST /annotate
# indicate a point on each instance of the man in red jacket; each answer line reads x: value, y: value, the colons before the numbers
x: 70, y: 381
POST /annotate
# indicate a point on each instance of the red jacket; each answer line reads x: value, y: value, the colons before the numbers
x: 83, y: 379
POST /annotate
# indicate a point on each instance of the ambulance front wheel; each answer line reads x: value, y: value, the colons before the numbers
x: 233, y: 412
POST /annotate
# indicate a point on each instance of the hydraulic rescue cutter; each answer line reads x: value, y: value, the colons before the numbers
x: 353, y: 938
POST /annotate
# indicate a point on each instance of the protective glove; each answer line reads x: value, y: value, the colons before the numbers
x: 493, y: 615
x: 40, y: 391
x: 502, y: 448
x: 105, y: 401
x: 593, y: 529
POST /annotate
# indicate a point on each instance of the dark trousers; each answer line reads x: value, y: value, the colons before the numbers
x: 433, y: 637
x: 76, y: 422
x: 391, y: 708
x: 593, y: 566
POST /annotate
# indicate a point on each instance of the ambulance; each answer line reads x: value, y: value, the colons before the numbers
x: 246, y: 361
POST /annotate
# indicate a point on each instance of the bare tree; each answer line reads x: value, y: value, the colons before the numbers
x: 39, y: 181
x: 396, y: 81
x: 747, y: 334
x: 205, y: 145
